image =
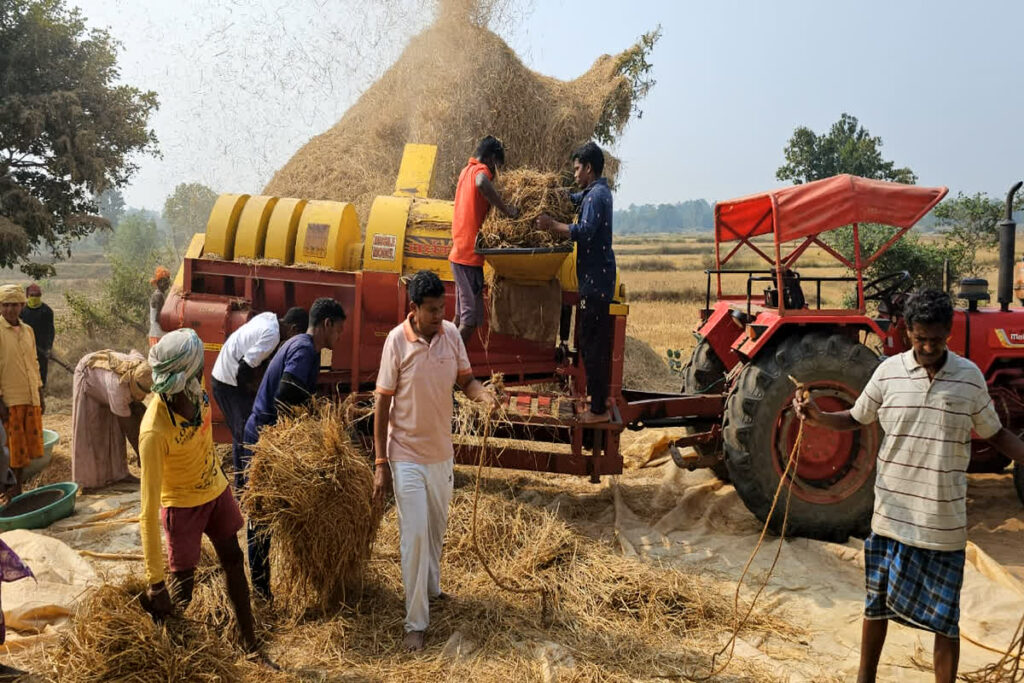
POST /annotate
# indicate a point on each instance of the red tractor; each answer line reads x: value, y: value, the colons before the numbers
x: 751, y: 342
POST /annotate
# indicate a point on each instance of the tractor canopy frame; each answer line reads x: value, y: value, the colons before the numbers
x: 801, y: 213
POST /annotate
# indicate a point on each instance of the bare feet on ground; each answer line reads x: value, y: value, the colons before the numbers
x: 413, y: 641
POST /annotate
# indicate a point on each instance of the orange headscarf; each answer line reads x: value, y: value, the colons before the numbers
x: 159, y: 274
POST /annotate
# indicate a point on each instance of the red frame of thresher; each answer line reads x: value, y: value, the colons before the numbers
x: 218, y: 297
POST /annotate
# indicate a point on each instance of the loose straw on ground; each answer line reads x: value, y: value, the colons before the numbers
x: 1008, y: 669
x: 544, y: 592
x: 784, y: 482
x: 112, y: 638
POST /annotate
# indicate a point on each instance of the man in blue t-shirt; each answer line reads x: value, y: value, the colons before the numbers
x: 595, y: 271
x: 290, y: 380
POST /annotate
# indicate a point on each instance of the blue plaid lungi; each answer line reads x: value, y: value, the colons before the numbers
x: 913, y: 586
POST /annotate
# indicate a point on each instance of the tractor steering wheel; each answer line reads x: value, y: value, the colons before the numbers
x: 882, y: 288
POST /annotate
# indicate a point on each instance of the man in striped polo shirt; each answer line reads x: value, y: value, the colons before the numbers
x: 928, y: 400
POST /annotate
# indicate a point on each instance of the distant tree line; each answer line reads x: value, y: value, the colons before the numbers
x: 693, y: 214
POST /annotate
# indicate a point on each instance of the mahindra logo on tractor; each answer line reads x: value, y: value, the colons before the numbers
x: 1007, y: 339
x: 383, y: 247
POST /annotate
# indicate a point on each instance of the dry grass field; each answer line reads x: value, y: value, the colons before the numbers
x: 666, y: 284
x: 664, y: 277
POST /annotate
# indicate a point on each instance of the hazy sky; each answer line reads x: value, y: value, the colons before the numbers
x: 243, y: 84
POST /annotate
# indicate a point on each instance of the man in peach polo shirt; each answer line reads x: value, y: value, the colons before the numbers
x: 423, y: 357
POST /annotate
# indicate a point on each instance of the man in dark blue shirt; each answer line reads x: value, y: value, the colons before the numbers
x: 290, y: 380
x: 595, y: 271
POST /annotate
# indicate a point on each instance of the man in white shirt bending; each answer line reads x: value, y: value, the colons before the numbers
x: 240, y: 364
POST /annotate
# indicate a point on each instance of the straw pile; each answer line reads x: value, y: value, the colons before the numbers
x: 534, y: 192
x: 620, y: 618
x: 112, y: 638
x: 454, y: 83
x: 643, y: 368
x: 311, y: 487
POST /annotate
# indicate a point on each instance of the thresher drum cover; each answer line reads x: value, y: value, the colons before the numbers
x: 282, y: 229
x: 326, y: 231
x: 221, y: 226
x: 251, y: 234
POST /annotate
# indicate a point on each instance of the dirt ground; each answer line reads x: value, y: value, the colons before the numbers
x: 693, y: 521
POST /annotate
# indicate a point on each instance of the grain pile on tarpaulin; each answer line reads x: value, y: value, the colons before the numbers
x: 311, y: 487
x: 454, y: 83
x: 534, y: 193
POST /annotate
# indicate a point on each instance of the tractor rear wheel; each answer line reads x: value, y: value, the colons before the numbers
x: 832, y: 487
x: 705, y: 374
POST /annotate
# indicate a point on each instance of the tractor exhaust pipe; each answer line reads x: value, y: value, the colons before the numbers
x: 1007, y: 246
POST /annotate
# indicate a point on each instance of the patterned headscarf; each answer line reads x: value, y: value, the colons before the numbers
x: 177, y: 363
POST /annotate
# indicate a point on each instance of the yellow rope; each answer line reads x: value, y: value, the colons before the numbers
x: 784, y: 482
x: 544, y: 592
x: 1008, y: 669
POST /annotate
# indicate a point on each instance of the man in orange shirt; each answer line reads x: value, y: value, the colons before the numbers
x: 474, y: 195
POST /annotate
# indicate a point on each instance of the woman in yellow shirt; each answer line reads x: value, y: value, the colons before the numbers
x: 181, y: 475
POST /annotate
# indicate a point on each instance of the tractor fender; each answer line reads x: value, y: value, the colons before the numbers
x: 721, y: 330
x: 767, y: 324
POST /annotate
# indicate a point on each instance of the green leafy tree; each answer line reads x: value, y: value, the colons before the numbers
x: 186, y: 211
x: 111, y: 206
x: 847, y: 147
x: 134, y: 249
x: 971, y: 224
x: 68, y: 130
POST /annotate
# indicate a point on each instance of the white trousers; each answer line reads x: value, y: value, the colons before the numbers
x: 422, y: 496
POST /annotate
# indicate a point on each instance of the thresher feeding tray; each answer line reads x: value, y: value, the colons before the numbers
x: 525, y: 263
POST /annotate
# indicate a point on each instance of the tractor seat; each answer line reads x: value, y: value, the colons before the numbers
x: 792, y: 293
x: 972, y: 290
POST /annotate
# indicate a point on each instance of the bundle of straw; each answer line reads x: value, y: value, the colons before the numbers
x: 311, y: 487
x: 534, y: 193
x: 112, y: 638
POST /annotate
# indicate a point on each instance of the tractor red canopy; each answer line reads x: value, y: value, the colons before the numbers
x: 823, y: 205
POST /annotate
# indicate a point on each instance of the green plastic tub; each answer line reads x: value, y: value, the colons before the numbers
x: 34, y: 467
x: 42, y: 507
